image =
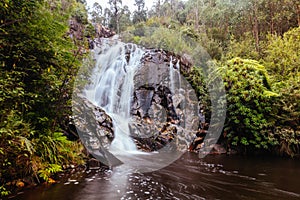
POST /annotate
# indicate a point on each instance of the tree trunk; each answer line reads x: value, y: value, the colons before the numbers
x: 255, y: 26
x: 298, y: 14
x: 271, y: 8
x: 197, y: 16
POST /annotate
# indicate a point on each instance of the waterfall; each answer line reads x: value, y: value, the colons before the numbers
x: 175, y: 82
x: 112, y: 89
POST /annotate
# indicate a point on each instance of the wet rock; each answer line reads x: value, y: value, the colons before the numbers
x: 144, y: 97
x: 161, y: 116
x: 218, y: 149
x: 161, y: 56
x: 29, y: 181
x: 93, y: 125
x: 186, y: 62
x: 75, y: 29
x: 102, y: 31
x: 94, y: 164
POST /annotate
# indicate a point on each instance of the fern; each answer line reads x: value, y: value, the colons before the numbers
x: 47, y: 172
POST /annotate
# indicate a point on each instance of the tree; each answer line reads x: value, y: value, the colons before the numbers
x: 140, y: 14
x: 250, y: 111
x: 282, y: 61
x: 116, y: 13
x: 38, y: 63
x: 125, y: 20
x: 96, y: 13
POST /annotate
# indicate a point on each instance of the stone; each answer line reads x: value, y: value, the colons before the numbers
x: 102, y: 31
x: 218, y: 149
x: 93, y: 125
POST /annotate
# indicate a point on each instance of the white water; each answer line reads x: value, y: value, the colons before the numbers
x: 112, y: 89
x: 174, y: 74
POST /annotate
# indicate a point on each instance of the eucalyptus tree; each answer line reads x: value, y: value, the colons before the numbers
x: 125, y: 20
x: 140, y: 14
x: 97, y: 13
x: 116, y: 13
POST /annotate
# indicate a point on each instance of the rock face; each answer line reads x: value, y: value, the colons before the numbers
x: 160, y: 56
x: 76, y: 29
x: 93, y: 123
x: 162, y: 116
x: 103, y: 32
x: 95, y: 129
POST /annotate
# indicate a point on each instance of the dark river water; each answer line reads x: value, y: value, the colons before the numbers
x: 213, y: 177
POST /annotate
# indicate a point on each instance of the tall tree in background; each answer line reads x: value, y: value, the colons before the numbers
x: 96, y: 13
x: 125, y: 19
x: 107, y: 17
x: 116, y: 13
x: 140, y: 14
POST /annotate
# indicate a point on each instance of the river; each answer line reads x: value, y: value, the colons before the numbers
x: 213, y: 177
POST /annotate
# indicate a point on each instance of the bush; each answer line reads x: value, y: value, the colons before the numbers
x: 283, y: 63
x: 38, y: 63
x: 250, y: 111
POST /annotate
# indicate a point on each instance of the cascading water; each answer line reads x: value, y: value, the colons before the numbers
x: 112, y: 89
x: 174, y: 75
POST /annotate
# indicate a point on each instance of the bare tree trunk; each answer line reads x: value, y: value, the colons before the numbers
x: 197, y: 16
x: 116, y: 15
x: 271, y: 8
x: 158, y: 8
x: 255, y: 26
x: 298, y: 14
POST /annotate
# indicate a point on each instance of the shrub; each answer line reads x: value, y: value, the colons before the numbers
x: 250, y: 111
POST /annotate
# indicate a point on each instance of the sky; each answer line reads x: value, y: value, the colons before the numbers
x: 129, y: 3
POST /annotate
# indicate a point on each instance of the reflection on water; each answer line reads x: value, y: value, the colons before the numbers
x: 214, y: 177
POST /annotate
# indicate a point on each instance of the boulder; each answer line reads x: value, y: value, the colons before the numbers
x: 103, y: 32
x: 95, y: 129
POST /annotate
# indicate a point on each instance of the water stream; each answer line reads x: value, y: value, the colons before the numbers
x: 213, y: 177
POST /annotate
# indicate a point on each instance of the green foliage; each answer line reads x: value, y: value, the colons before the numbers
x: 198, y: 81
x: 80, y: 13
x: 140, y: 14
x: 3, y: 191
x: 48, y: 171
x: 96, y: 13
x: 282, y: 62
x: 38, y: 64
x: 15, y: 147
x: 282, y: 54
x: 244, y: 48
x: 158, y: 37
x: 250, y: 111
x: 56, y: 148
